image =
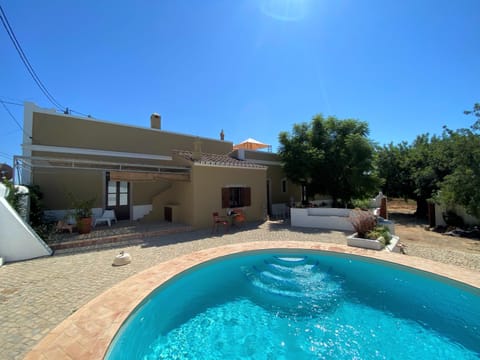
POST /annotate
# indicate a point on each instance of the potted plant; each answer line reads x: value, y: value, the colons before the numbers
x: 367, y: 234
x: 82, y: 210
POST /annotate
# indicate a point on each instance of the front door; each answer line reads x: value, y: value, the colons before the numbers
x: 118, y: 198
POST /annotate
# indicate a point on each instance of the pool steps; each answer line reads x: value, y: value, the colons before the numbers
x: 293, y: 277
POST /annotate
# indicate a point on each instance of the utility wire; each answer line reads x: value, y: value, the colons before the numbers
x: 6, y: 157
x: 23, y: 57
x: 20, y: 104
x: 11, y: 102
x: 77, y: 112
x: 13, y: 117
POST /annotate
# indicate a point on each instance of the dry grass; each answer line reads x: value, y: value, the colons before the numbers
x: 401, y: 206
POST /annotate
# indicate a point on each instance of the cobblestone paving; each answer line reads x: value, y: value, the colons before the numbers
x: 37, y: 295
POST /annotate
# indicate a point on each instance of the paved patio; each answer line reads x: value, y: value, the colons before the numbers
x: 37, y: 295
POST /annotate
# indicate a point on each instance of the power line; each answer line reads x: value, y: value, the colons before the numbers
x: 6, y: 156
x: 13, y: 117
x: 19, y: 101
x: 79, y: 113
x: 67, y: 110
x: 23, y: 57
x: 12, y: 103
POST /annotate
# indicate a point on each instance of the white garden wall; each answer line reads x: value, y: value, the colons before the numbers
x: 459, y: 210
x: 18, y: 241
x: 321, y: 218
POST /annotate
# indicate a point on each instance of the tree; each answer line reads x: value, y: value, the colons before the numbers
x: 330, y: 156
x: 392, y: 166
x: 462, y: 185
x: 430, y: 161
x: 475, y: 112
x: 299, y: 156
x: 441, y: 167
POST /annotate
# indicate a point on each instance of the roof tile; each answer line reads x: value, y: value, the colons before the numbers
x: 217, y: 160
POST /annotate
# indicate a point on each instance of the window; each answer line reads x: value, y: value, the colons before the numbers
x: 284, y: 185
x: 235, y: 197
x: 117, y: 193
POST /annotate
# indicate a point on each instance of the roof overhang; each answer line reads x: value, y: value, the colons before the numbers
x: 121, y: 171
x: 147, y: 176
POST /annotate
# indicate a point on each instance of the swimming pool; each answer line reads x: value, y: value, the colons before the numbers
x: 303, y: 304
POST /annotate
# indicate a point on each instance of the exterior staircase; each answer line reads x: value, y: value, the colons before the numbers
x: 158, y: 204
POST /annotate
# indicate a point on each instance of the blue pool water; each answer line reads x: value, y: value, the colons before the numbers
x: 303, y: 305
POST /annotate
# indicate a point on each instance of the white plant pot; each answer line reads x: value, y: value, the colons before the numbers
x: 352, y: 240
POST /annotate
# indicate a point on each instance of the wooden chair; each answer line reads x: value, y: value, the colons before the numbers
x: 220, y: 220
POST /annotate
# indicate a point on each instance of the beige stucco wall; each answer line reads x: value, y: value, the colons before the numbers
x: 56, y: 184
x: 208, y: 182
x: 144, y: 192
x: 195, y: 200
x: 68, y: 131
x: 179, y: 196
x: 275, y: 174
x: 260, y: 155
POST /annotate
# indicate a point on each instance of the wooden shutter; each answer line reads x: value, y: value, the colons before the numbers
x: 225, y: 198
x: 246, y: 196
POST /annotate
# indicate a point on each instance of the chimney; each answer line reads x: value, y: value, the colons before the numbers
x: 197, y: 150
x: 155, y: 121
x: 241, y: 154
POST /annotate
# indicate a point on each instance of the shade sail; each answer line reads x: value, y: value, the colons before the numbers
x: 251, y: 144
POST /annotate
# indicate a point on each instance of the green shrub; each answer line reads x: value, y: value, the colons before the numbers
x: 82, y: 208
x: 13, y: 196
x: 382, y: 233
x: 362, y: 203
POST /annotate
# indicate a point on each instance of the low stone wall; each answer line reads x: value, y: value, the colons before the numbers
x: 322, y: 218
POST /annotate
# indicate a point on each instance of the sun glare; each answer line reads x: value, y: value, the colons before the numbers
x: 285, y: 10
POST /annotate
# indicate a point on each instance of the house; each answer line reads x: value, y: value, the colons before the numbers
x: 146, y: 173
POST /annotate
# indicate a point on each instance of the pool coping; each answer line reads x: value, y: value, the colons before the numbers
x: 78, y: 337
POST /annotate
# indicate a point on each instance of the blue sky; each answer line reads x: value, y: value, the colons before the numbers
x: 250, y: 67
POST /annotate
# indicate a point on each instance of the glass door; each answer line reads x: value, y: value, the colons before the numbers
x: 118, y: 198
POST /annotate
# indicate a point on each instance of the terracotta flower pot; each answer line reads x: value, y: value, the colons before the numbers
x: 84, y: 225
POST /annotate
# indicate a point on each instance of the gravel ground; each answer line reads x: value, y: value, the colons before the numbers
x: 427, y: 244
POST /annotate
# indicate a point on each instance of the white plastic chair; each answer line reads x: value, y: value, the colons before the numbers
x: 108, y: 216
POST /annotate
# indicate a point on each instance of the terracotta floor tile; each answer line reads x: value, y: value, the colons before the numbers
x: 76, y: 351
x: 56, y: 354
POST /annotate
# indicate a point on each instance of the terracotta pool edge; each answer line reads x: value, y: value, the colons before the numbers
x: 78, y: 337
